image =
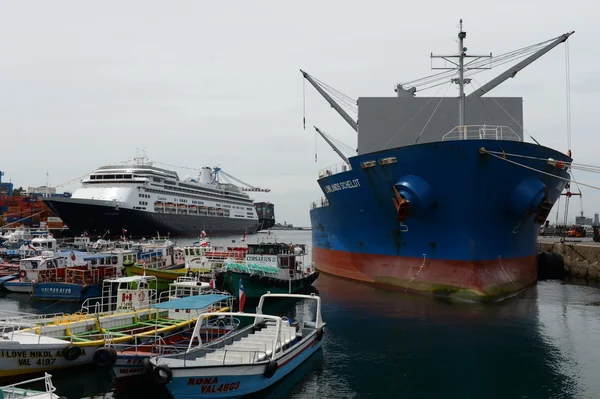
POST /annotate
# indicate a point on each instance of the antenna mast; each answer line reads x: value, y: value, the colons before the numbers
x: 462, y: 67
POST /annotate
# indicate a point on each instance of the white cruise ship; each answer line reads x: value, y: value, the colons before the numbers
x: 143, y: 200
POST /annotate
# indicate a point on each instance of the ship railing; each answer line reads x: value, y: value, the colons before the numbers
x: 320, y: 203
x: 334, y: 169
x: 262, y: 270
x: 11, y: 321
x: 481, y: 132
x: 19, y: 389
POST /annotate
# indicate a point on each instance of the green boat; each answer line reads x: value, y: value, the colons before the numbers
x: 268, y: 267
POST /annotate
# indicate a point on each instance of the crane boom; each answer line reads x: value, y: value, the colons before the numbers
x: 332, y: 145
x: 249, y: 188
x: 331, y: 101
x: 511, y: 72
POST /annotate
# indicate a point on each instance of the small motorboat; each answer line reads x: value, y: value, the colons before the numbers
x: 245, y: 361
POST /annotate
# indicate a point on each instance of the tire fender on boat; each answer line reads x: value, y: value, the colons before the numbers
x: 72, y: 352
x: 105, y: 357
x: 320, y: 333
x: 271, y: 369
x: 162, y: 374
x: 23, y: 273
x: 148, y: 367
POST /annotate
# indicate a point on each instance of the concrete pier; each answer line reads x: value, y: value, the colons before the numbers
x: 582, y: 256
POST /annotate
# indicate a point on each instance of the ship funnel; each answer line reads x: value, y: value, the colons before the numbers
x: 205, y: 175
x: 405, y: 93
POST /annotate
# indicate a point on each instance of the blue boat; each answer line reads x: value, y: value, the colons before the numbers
x: 436, y: 201
x: 244, y: 362
x: 61, y: 291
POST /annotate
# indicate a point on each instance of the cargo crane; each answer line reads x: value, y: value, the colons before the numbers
x: 218, y: 173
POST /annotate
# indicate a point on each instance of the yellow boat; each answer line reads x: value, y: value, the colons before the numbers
x: 73, y: 340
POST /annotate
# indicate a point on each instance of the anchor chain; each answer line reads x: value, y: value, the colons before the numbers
x: 417, y: 273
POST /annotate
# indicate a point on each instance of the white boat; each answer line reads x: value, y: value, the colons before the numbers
x: 128, y: 360
x: 141, y: 199
x: 17, y: 391
x: 244, y: 362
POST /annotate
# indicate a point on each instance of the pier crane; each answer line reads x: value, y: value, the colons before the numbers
x: 218, y: 173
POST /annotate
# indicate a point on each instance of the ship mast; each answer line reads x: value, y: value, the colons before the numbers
x: 461, y: 75
x: 462, y: 67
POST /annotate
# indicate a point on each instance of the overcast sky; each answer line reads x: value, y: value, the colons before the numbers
x: 198, y: 83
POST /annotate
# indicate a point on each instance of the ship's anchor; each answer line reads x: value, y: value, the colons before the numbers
x: 402, y: 206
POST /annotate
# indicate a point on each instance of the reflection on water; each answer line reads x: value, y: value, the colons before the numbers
x: 542, y: 343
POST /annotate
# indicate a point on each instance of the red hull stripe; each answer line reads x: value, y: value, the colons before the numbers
x: 474, y: 280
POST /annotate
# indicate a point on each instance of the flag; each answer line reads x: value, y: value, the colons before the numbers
x: 29, y: 245
x: 242, y: 296
x: 203, y: 234
x: 244, y: 237
x: 50, y: 235
x: 204, y: 243
x: 187, y: 265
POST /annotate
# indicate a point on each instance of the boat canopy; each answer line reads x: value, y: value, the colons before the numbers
x: 192, y: 302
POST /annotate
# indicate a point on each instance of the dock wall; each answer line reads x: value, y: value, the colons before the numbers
x: 581, y: 259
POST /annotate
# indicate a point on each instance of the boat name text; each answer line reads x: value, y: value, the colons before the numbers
x: 211, y: 385
x: 28, y: 358
x: 56, y: 290
x: 261, y: 258
x: 343, y: 185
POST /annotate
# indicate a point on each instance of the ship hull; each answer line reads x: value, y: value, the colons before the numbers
x: 66, y: 291
x: 471, y: 227
x: 96, y: 217
x: 265, y: 224
x: 256, y: 286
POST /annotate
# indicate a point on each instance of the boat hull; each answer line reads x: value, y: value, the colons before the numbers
x: 23, y: 287
x: 163, y: 277
x: 66, y: 291
x: 29, y: 359
x: 236, y: 381
x: 96, y: 217
x: 129, y: 365
x: 471, y: 228
x: 255, y: 286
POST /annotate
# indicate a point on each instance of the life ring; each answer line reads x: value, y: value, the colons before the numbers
x: 71, y: 352
x: 141, y: 296
x: 163, y: 374
x: 271, y: 369
x: 23, y: 273
x: 105, y: 357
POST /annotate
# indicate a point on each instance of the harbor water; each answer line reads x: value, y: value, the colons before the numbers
x: 542, y: 343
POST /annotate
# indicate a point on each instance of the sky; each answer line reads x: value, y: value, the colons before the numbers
x: 197, y: 83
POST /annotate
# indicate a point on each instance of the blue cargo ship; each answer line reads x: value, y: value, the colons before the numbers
x: 435, y: 200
